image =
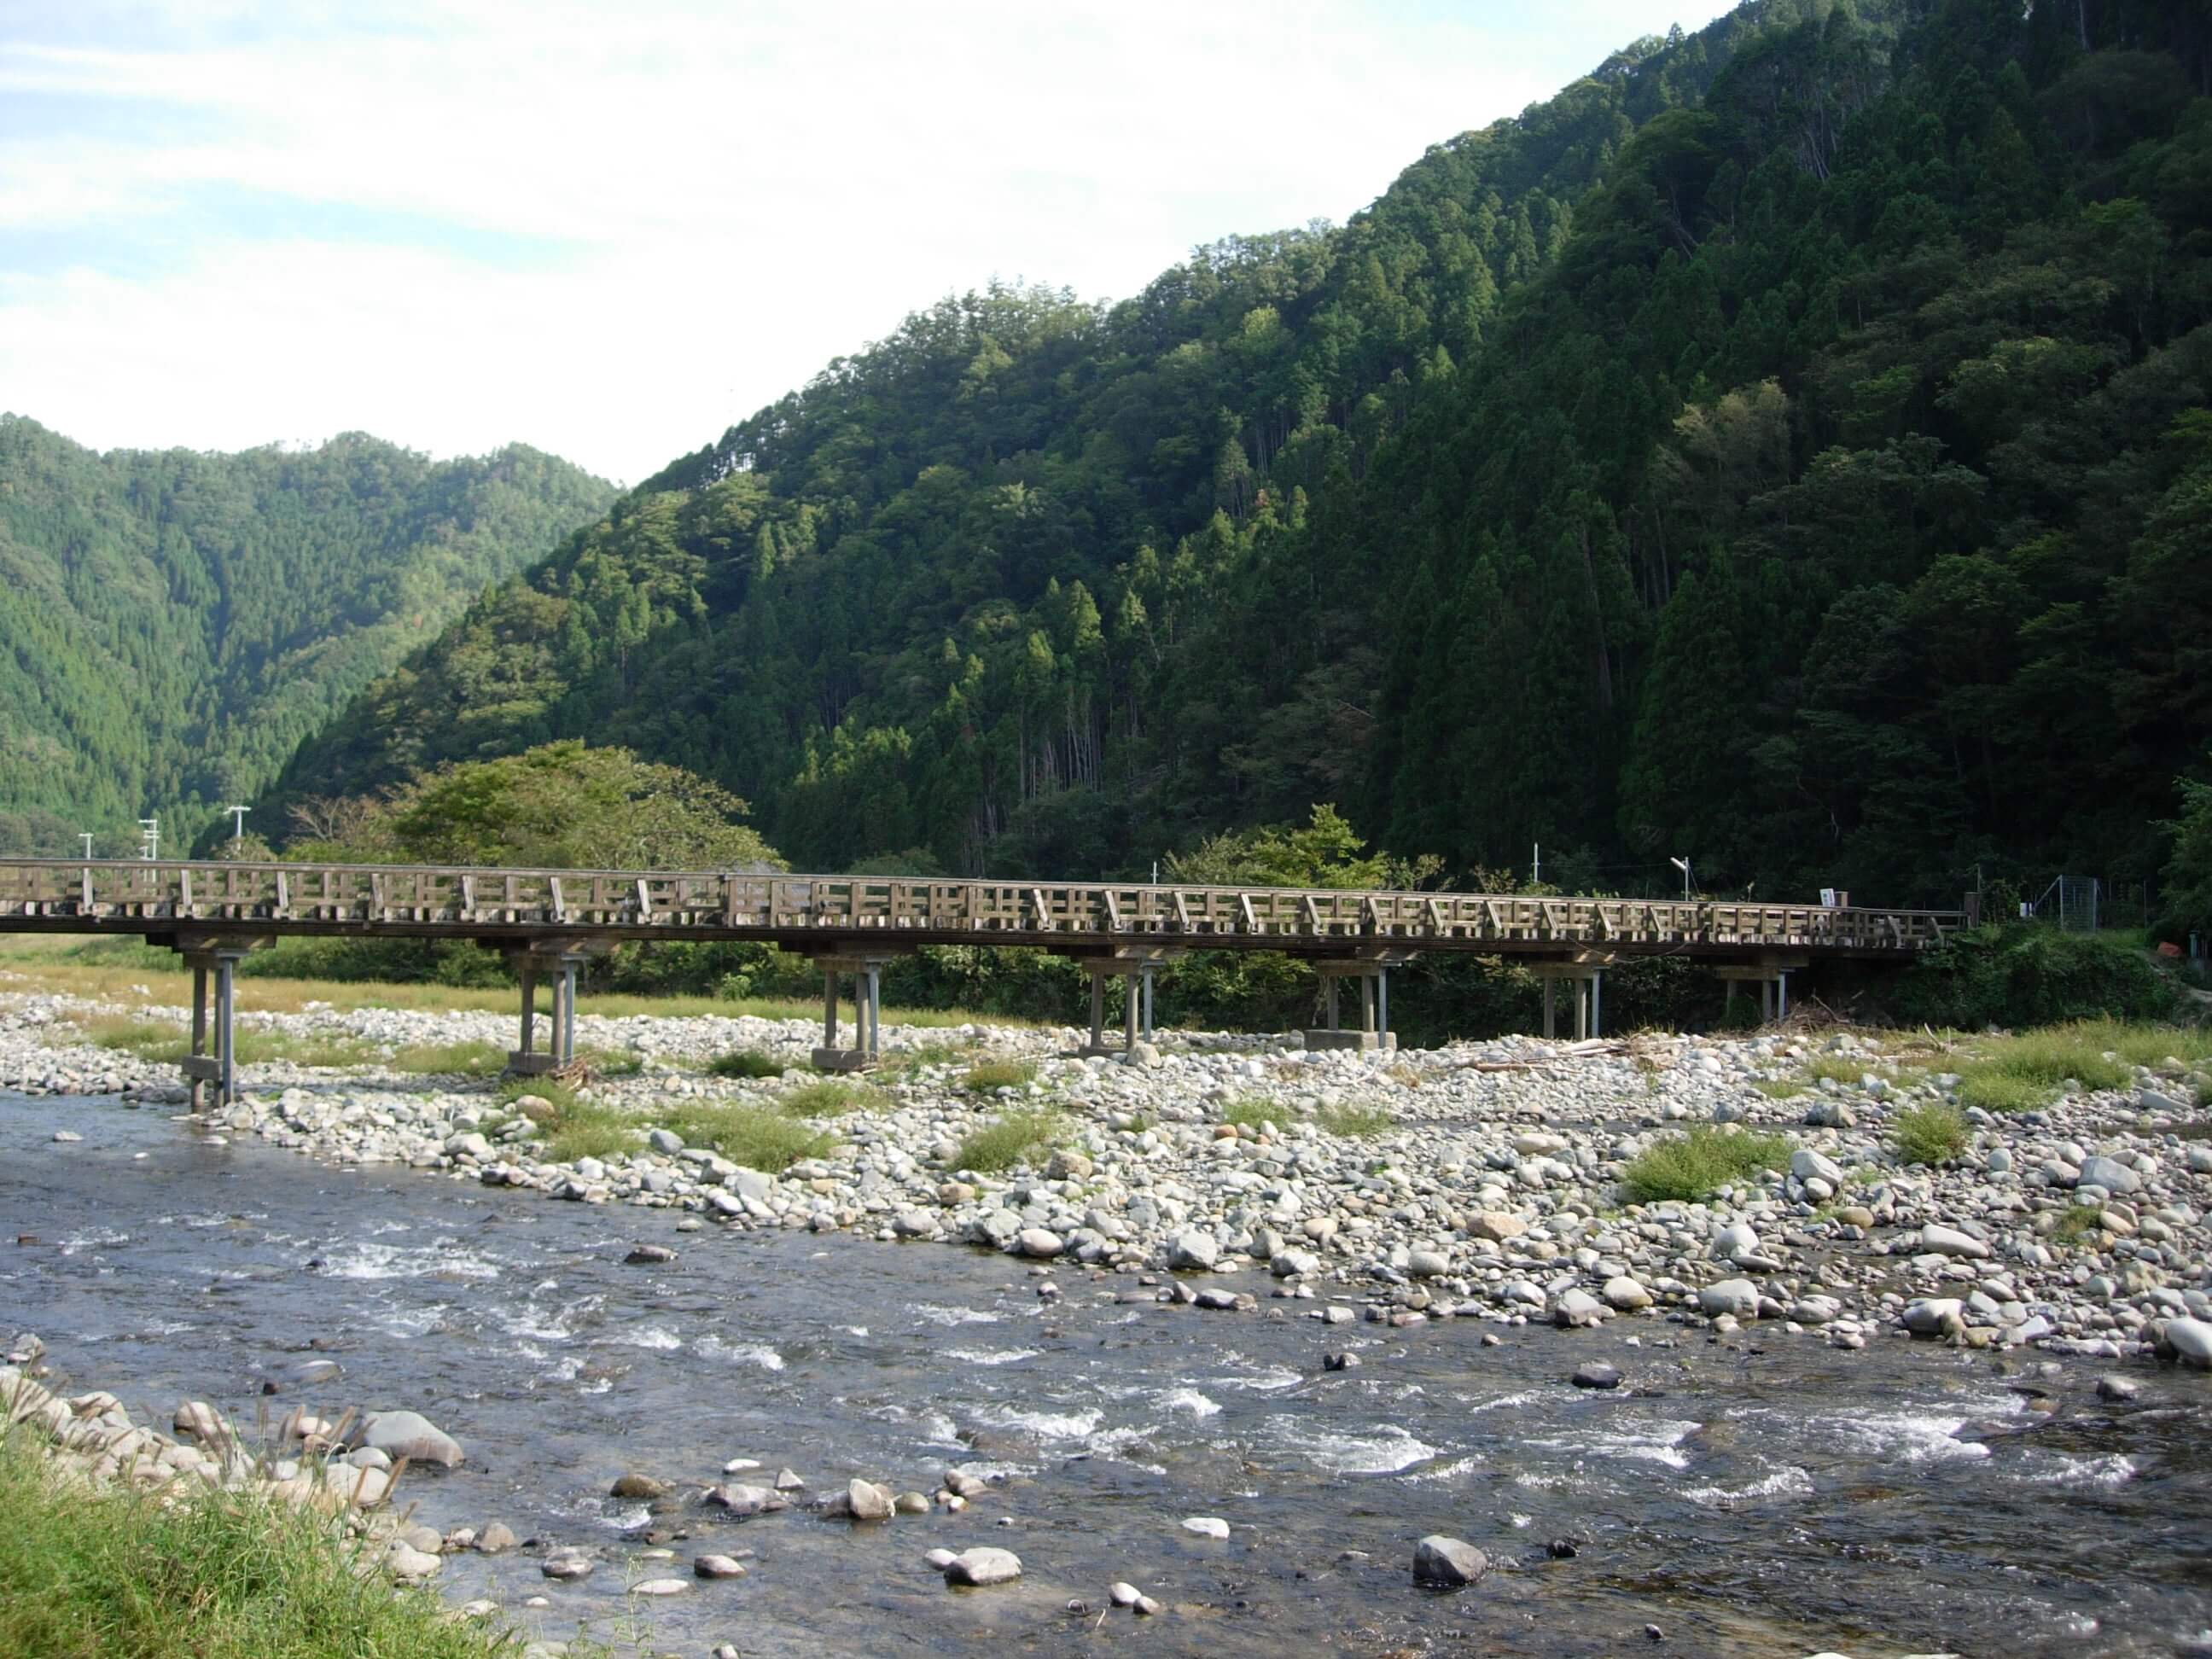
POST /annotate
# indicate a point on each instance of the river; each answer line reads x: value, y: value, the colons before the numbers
x: 1761, y: 1495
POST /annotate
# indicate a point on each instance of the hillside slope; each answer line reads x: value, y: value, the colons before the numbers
x: 173, y: 624
x: 1781, y: 448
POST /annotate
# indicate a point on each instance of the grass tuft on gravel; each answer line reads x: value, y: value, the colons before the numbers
x: 986, y: 1075
x: 159, y: 1042
x: 1695, y: 1166
x: 754, y: 1136
x: 113, y: 1575
x: 750, y: 1063
x: 573, y: 1127
x: 470, y: 1059
x: 1355, y: 1121
x: 830, y: 1099
x: 1004, y: 1142
x: 1250, y: 1112
x: 1931, y: 1133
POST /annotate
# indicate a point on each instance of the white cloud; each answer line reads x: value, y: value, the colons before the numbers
x: 730, y: 196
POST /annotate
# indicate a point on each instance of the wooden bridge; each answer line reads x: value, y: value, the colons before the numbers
x: 548, y: 920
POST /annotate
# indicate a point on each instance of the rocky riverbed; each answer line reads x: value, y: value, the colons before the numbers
x: 635, y: 1388
x: 1478, y: 1181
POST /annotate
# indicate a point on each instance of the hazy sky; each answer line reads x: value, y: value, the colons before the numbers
x: 610, y: 229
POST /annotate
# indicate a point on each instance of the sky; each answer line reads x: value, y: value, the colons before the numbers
x: 610, y: 228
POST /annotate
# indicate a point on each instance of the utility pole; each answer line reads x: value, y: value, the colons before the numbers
x: 237, y: 823
x: 1536, y: 863
x: 150, y: 845
x: 85, y: 835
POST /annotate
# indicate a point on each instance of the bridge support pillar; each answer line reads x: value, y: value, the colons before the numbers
x: 1771, y: 975
x: 1584, y: 976
x: 557, y: 968
x: 866, y: 973
x: 1373, y: 973
x: 213, y: 1060
x: 1135, y: 967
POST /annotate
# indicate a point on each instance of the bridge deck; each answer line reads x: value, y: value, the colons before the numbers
x: 827, y: 914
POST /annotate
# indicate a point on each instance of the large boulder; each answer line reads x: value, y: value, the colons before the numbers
x: 1739, y: 1296
x: 412, y: 1436
x: 1447, y: 1562
x: 983, y: 1566
x: 1193, y: 1247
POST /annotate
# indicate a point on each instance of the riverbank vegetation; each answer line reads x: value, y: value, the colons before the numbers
x: 88, y: 1574
x: 1700, y: 1162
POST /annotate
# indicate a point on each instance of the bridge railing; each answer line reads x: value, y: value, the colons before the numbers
x: 119, y: 893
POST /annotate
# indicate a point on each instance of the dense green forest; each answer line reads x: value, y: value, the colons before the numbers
x: 1787, y: 448
x: 173, y: 624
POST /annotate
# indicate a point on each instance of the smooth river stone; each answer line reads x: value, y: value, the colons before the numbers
x: 983, y: 1566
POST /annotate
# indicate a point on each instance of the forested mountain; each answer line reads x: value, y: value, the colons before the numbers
x: 173, y: 624
x: 1787, y: 448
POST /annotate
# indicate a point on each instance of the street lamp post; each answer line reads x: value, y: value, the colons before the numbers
x: 1683, y: 865
x: 150, y: 840
x: 237, y: 823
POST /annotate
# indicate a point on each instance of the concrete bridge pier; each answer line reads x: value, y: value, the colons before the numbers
x: 1373, y: 973
x: 1772, y: 975
x: 213, y: 1059
x: 1584, y: 975
x: 866, y: 973
x: 1136, y: 965
x: 558, y: 967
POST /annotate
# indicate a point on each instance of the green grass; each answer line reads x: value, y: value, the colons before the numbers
x: 990, y: 1074
x: 745, y: 1063
x: 907, y: 1062
x: 1356, y: 1120
x: 159, y: 1042
x: 1782, y: 1089
x: 573, y: 1127
x: 475, y: 1059
x: 2020, y: 1074
x: 1931, y: 1134
x: 1839, y: 1068
x: 830, y: 1099
x: 1696, y: 1164
x: 2078, y: 1225
x: 611, y: 1062
x: 754, y: 1136
x: 1004, y: 1142
x: 1250, y: 1112
x: 117, y: 1576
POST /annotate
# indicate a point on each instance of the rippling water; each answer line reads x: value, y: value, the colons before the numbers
x: 1767, y: 1496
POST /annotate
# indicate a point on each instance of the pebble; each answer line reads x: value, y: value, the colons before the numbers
x: 718, y: 1566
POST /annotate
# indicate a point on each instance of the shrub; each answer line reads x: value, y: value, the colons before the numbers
x: 1699, y: 1164
x: 1929, y: 1134
x: 1004, y: 1142
x: 745, y: 1063
x: 2030, y: 975
x: 751, y: 1135
x: 991, y: 1074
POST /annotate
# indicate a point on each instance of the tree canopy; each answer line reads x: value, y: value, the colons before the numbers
x: 1786, y: 448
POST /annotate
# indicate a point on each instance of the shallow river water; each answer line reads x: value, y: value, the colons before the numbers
x: 1768, y: 1495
